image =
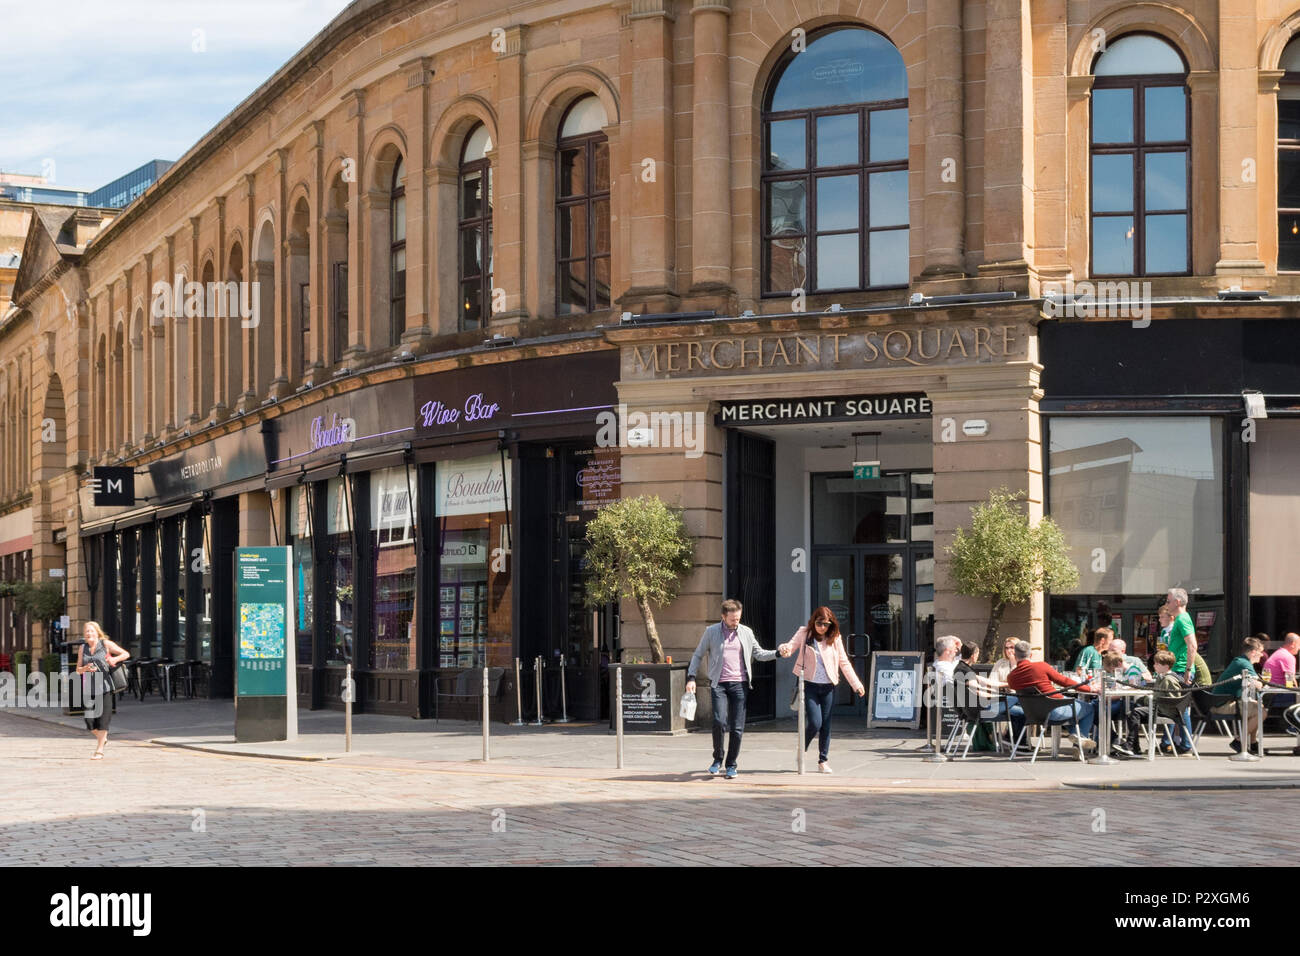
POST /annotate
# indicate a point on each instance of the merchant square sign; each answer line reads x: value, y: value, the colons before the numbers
x: 900, y: 347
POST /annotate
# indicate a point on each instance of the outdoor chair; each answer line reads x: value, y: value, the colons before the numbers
x: 1203, y: 704
x: 1166, y: 724
x: 1037, y: 707
x: 963, y: 731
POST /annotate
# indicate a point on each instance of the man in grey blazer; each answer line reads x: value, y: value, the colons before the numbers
x: 731, y: 648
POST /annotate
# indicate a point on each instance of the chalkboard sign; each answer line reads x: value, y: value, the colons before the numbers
x: 895, y: 698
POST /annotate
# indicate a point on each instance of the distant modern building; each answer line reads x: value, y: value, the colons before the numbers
x: 125, y: 189
x: 23, y: 188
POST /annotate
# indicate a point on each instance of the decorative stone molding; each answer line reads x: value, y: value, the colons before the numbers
x: 651, y: 9
x: 721, y: 6
x: 418, y: 71
x: 514, y: 41
x: 1269, y: 81
x: 1078, y: 87
x: 356, y: 101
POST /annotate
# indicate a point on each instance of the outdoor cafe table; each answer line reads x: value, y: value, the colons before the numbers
x: 1129, y: 693
x: 1266, y: 691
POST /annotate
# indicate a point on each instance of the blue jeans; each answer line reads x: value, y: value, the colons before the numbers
x: 728, y: 716
x: 1010, y: 709
x: 817, y: 704
x: 1085, y: 713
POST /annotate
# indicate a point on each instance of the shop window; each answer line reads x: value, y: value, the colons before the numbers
x: 475, y: 230
x: 392, y: 517
x: 181, y: 650
x: 340, y: 564
x: 1141, y: 503
x: 397, y: 253
x: 1141, y: 160
x: 1288, y: 160
x: 834, y: 182
x: 1275, y: 527
x: 301, y: 540
x: 582, y: 210
x: 474, y: 545
x: 847, y: 511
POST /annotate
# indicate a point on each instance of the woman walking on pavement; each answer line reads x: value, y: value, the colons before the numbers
x: 99, y: 655
x: 821, y: 660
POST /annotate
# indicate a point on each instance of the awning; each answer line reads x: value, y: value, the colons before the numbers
x: 388, y: 459
x: 171, y: 512
x: 241, y: 488
x: 324, y: 472
x: 284, y: 479
x: 453, y: 451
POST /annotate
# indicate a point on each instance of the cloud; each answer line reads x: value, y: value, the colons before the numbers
x: 103, y: 87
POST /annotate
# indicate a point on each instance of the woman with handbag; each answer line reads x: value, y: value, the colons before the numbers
x: 821, y: 660
x: 99, y: 655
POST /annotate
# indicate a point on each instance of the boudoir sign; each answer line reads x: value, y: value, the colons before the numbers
x: 364, y: 418
x: 472, y: 486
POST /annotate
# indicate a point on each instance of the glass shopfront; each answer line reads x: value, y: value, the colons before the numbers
x: 301, y: 540
x: 339, y: 606
x: 474, y: 614
x: 392, y: 546
x: 1141, y: 502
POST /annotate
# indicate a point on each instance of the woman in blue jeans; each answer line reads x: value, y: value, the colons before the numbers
x: 821, y: 659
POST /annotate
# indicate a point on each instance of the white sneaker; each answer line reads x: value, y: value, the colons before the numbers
x: 823, y: 768
x: 1086, y: 745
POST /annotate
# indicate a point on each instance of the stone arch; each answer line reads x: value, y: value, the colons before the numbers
x: 454, y: 124
x: 135, y: 342
x: 117, y: 355
x: 561, y: 92
x: 1178, y: 27
x: 52, y: 458
x: 387, y: 142
x: 205, y: 335
x: 263, y: 272
x: 298, y: 270
x: 1276, y: 39
x: 333, y: 324
x: 100, y: 428
x: 385, y: 319
x: 232, y: 336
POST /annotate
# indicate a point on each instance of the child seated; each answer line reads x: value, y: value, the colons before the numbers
x: 1169, y: 691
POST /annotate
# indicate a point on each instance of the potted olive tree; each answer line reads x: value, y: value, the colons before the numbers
x: 1006, y: 559
x: 638, y: 550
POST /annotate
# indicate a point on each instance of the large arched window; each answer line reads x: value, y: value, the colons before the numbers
x: 1141, y: 160
x: 582, y: 210
x: 475, y: 230
x: 835, y: 211
x: 397, y: 253
x: 1288, y: 160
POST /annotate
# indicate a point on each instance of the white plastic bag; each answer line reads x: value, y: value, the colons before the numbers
x: 688, y: 705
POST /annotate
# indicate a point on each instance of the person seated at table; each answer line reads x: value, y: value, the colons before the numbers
x: 1116, y: 667
x: 1090, y: 659
x: 1169, y: 690
x: 1135, y: 672
x: 1044, y: 678
x: 1279, y: 669
x: 1202, y: 670
x: 1240, y: 673
x: 1008, y: 708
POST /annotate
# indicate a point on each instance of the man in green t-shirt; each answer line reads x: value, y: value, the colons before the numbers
x: 1182, y: 636
x: 1090, y: 658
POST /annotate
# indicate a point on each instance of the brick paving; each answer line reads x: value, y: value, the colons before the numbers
x: 57, y: 807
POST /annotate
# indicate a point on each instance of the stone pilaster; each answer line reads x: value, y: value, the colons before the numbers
x: 945, y: 159
x: 711, y: 154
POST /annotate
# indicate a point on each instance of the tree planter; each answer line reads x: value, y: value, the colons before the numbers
x: 652, y: 698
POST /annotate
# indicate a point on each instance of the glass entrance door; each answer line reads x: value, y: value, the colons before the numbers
x: 870, y: 592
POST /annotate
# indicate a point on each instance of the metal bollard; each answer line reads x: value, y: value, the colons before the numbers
x: 1246, y: 756
x: 1102, y: 756
x: 348, y: 693
x: 486, y: 682
x: 802, y: 727
x: 618, y: 715
x: 537, y: 670
x: 936, y: 720
x: 564, y: 699
x: 519, y: 699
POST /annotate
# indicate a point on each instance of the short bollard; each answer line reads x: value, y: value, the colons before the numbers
x: 519, y: 699
x: 564, y: 698
x: 935, y: 729
x: 802, y: 728
x: 349, y: 695
x: 618, y: 715
x: 485, y: 714
x: 537, y: 670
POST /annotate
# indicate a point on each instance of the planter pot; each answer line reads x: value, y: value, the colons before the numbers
x: 652, y: 697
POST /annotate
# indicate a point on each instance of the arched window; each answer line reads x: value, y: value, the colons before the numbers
x: 1288, y: 160
x: 1141, y: 159
x: 582, y: 210
x: 835, y: 133
x: 475, y: 230
x: 397, y: 253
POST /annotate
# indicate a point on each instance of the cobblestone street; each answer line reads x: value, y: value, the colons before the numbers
x: 178, y: 807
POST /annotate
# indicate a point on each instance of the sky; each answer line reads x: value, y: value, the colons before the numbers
x: 92, y: 89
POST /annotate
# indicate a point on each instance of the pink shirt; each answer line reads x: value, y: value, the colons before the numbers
x: 1279, y: 664
x: 732, y: 668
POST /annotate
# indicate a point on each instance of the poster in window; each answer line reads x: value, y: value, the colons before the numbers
x: 446, y: 594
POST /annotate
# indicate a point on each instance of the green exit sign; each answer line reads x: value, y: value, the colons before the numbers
x: 866, y: 469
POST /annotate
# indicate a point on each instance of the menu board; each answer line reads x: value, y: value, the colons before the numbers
x: 895, y: 697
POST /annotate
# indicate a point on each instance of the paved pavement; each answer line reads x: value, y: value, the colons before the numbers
x: 149, y: 805
x: 861, y: 758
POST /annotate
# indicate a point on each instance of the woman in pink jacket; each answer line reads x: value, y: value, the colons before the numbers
x: 820, y: 661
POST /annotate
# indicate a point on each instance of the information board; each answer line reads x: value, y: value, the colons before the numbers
x: 263, y: 603
x: 895, y: 697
